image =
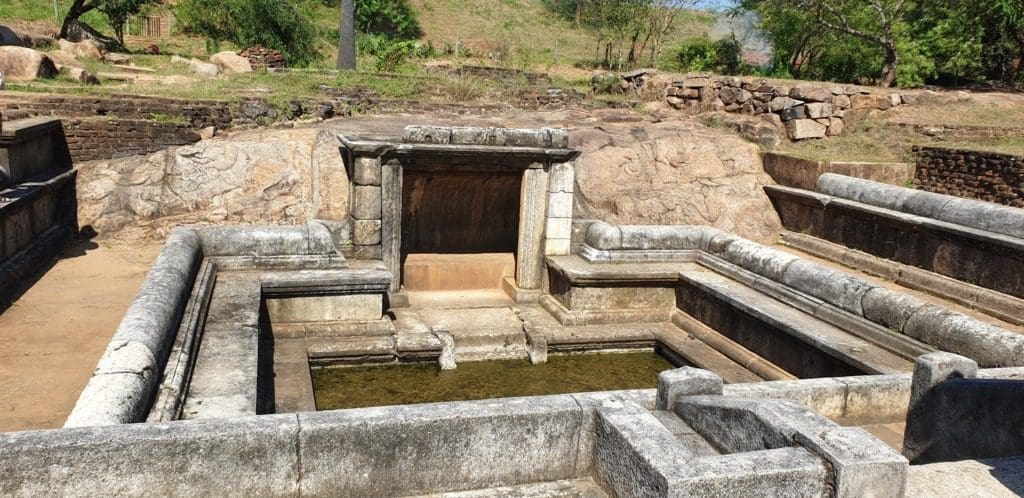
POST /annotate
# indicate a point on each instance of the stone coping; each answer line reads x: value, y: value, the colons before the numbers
x: 971, y: 213
x: 989, y: 345
x: 21, y: 130
x: 123, y: 386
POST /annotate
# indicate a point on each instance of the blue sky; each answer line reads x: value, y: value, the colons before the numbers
x: 714, y: 4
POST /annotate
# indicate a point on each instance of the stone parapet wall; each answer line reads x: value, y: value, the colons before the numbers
x: 101, y: 138
x: 805, y: 111
x: 198, y: 113
x: 986, y: 176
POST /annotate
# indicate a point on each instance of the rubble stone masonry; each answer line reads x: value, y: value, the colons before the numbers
x: 975, y: 175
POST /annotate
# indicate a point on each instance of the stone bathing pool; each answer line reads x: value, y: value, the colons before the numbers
x: 788, y: 362
x: 338, y: 387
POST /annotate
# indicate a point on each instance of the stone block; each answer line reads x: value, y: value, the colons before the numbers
x: 558, y: 228
x: 367, y: 171
x: 693, y: 82
x: 366, y: 203
x: 562, y: 178
x: 427, y: 135
x: 306, y: 309
x: 366, y: 232
x: 870, y: 101
x: 836, y: 126
x: 560, y: 205
x: 861, y: 464
x: 816, y: 110
x: 935, y: 368
x: 895, y: 99
x: 811, y: 94
x: 841, y: 101
x: 802, y: 129
x: 424, y: 449
x: 685, y: 381
x: 557, y: 247
x: 780, y: 103
x: 791, y: 113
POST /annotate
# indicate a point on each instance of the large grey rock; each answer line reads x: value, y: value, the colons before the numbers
x: 231, y: 63
x: 87, y: 48
x: 672, y: 173
x: 25, y: 64
x: 811, y: 94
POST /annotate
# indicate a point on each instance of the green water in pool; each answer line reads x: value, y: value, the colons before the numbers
x: 337, y: 387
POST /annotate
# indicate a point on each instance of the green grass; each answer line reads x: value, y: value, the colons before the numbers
x: 875, y: 140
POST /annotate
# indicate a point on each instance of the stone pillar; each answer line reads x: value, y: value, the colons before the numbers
x: 930, y: 370
x: 532, y: 207
x: 685, y: 381
x: 391, y: 221
x: 558, y: 225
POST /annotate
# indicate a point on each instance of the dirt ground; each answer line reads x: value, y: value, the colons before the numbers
x: 52, y: 337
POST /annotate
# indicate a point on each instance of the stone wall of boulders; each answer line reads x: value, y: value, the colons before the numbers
x: 974, y: 175
x: 805, y: 111
x: 90, y: 139
x: 261, y: 57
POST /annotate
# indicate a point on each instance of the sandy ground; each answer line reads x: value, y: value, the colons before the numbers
x: 52, y: 337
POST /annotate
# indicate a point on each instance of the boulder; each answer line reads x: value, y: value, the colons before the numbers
x: 802, y: 129
x: 673, y: 173
x: 82, y: 76
x: 780, y: 103
x: 196, y: 66
x: 86, y: 48
x: 817, y: 110
x: 9, y: 36
x: 870, y: 101
x: 811, y: 94
x: 116, y: 58
x: 25, y: 64
x: 231, y: 63
x: 64, y: 59
x: 836, y: 127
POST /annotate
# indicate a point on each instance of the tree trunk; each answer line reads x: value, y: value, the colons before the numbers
x: 631, y: 58
x: 579, y: 12
x: 892, y: 63
x: 347, y: 40
x: 78, y: 8
x: 1014, y: 67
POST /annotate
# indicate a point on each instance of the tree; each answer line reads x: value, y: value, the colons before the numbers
x: 877, y: 23
x: 118, y: 12
x: 277, y: 24
x: 77, y: 10
x: 347, y: 38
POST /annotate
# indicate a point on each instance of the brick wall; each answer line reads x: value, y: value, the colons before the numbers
x: 199, y: 113
x: 975, y: 175
x: 103, y: 138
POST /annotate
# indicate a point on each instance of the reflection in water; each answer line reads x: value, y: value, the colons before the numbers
x: 402, y: 384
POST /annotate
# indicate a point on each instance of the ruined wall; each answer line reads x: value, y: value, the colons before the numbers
x: 975, y: 175
x: 805, y: 111
x: 102, y: 138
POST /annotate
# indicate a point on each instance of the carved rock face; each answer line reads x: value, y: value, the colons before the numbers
x: 675, y: 172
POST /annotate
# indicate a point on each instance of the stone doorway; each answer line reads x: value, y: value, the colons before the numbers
x: 459, y: 228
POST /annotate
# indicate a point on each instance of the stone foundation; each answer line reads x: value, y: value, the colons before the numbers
x: 987, y: 176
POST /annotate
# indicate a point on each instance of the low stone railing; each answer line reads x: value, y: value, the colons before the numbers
x: 989, y: 345
x: 125, y: 381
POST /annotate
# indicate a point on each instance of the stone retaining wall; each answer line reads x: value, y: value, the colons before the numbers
x: 806, y: 111
x: 803, y: 173
x: 975, y: 175
x: 102, y: 138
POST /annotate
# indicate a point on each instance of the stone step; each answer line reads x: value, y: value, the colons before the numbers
x: 431, y: 272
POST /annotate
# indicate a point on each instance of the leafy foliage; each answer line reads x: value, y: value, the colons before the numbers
x: 394, y: 18
x: 276, y: 24
x: 118, y: 12
x: 703, y: 54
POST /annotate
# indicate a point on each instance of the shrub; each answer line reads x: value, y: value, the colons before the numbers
x: 702, y: 54
x: 276, y: 24
x: 389, y: 54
